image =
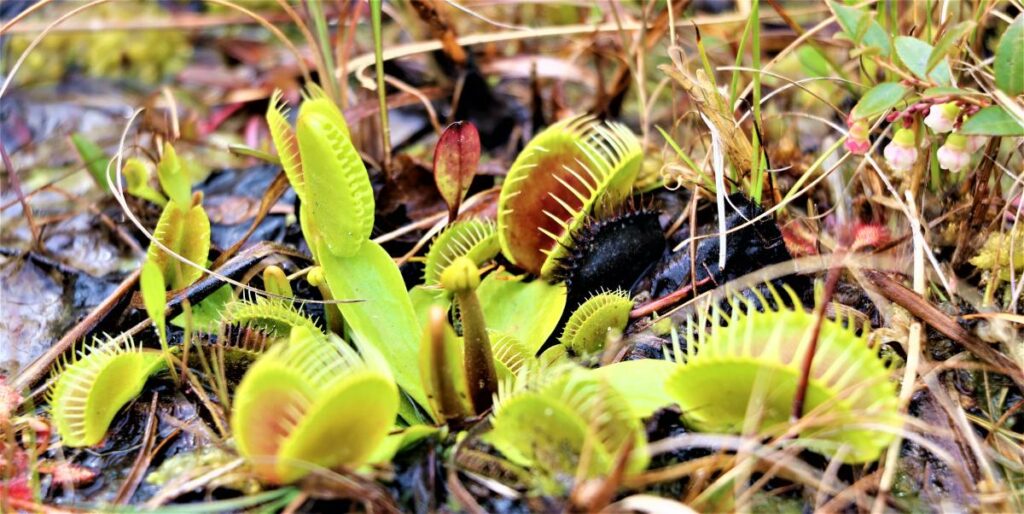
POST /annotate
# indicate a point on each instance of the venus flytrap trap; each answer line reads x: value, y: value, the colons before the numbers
x: 565, y: 422
x: 589, y: 325
x: 752, y: 359
x: 312, y: 402
x: 556, y: 181
x: 93, y: 385
x: 474, y: 239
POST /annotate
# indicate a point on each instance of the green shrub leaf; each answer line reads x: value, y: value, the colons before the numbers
x: 992, y: 121
x: 879, y: 99
x: 1009, y: 63
x: 915, y: 54
x: 860, y: 26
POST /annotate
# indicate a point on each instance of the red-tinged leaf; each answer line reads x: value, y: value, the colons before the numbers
x: 66, y: 473
x: 455, y: 161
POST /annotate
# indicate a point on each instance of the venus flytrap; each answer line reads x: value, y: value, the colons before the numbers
x: 337, y: 217
x: 93, y: 385
x: 752, y: 359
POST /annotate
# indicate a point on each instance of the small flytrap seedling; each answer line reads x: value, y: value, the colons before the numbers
x: 312, y: 402
x: 473, y: 239
x: 590, y: 324
x: 93, y: 386
x: 184, y: 227
x: 556, y: 182
x: 749, y: 362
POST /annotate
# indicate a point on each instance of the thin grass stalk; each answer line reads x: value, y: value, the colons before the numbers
x: 382, y: 98
x: 327, y: 75
x: 757, y: 159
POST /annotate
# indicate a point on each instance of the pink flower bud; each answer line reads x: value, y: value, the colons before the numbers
x: 953, y: 155
x: 901, y: 154
x: 857, y: 142
x: 941, y: 118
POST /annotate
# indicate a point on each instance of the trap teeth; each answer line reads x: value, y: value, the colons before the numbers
x: 555, y: 183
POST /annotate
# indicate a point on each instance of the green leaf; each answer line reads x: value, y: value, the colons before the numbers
x: 992, y: 121
x: 338, y: 191
x: 395, y: 443
x: 136, y: 177
x: 813, y: 62
x: 528, y: 311
x: 90, y: 390
x: 383, y: 317
x: 151, y: 282
x: 915, y: 53
x: 1009, y: 63
x: 879, y: 99
x: 860, y: 26
x: 95, y: 159
x: 641, y: 383
x: 207, y: 314
x: 933, y: 92
x: 173, y: 179
x: 185, y: 231
x: 948, y: 42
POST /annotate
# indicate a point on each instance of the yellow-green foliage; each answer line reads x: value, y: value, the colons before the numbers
x: 474, y: 239
x: 93, y: 386
x: 587, y: 328
x: 144, y: 55
x: 327, y: 173
x: 547, y: 417
x: 1002, y: 253
x: 185, y: 230
x: 311, y: 402
x: 273, y: 316
x: 751, y: 367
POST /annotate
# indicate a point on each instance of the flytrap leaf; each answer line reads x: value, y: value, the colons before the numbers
x: 185, y: 230
x: 338, y: 192
x: 287, y: 146
x: 755, y: 362
x: 93, y: 386
x: 555, y: 183
x: 548, y: 417
x: 136, y: 177
x: 273, y: 316
x: 456, y: 158
x: 528, y: 311
x: 474, y: 239
x: 442, y: 368
x: 94, y: 158
x: 587, y: 328
x: 311, y: 402
x: 175, y: 182
x: 383, y: 316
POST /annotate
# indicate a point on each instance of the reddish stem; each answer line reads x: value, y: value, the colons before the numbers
x: 667, y: 300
